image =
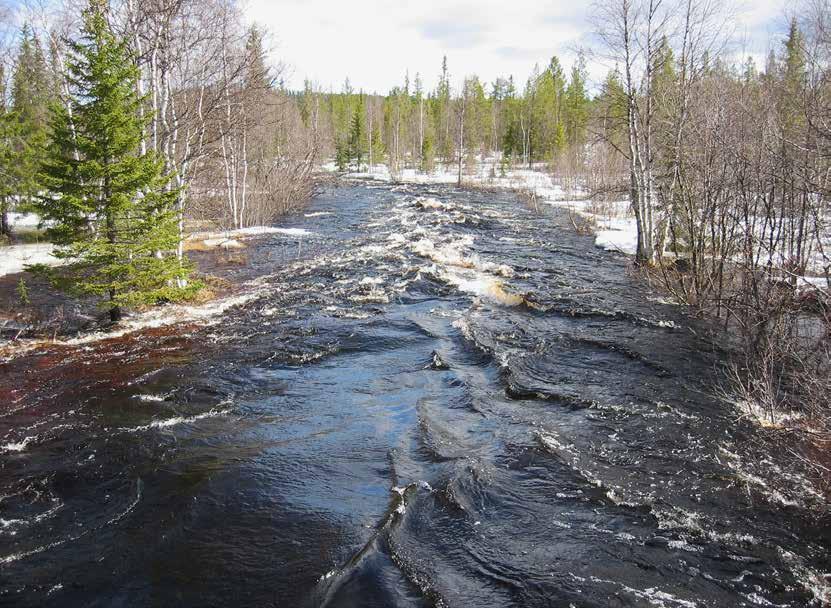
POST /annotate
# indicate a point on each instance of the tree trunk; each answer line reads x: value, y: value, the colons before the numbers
x: 369, y: 136
x: 115, y: 309
x: 421, y: 129
x: 5, y: 227
x: 461, y: 141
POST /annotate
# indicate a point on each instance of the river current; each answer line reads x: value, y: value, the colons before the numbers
x: 425, y: 397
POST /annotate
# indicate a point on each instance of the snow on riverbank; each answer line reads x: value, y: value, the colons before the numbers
x: 617, y: 234
x: 259, y: 230
x: 14, y: 258
x: 616, y: 228
x: 613, y: 223
x: 250, y: 231
x: 23, y: 221
x: 228, y: 239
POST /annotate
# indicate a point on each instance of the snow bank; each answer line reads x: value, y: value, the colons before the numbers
x: 257, y: 230
x: 225, y: 235
x: 228, y: 239
x: 811, y: 283
x: 486, y: 173
x: 224, y: 243
x: 617, y: 235
x: 23, y: 220
x: 14, y: 258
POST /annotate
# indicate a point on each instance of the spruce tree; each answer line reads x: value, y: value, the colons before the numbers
x: 257, y: 75
x: 30, y: 96
x: 794, y: 77
x: 427, y: 154
x: 478, y: 124
x: 577, y: 104
x: 377, y: 144
x: 357, y: 144
x: 610, y: 108
x: 7, y: 159
x: 342, y: 154
x: 114, y: 224
x: 442, y: 116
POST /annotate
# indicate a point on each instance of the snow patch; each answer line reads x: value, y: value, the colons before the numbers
x: 23, y: 220
x: 250, y: 231
x: 15, y: 258
x: 224, y: 243
x: 256, y: 230
x: 617, y: 235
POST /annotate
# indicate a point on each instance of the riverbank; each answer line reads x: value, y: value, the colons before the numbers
x: 33, y: 312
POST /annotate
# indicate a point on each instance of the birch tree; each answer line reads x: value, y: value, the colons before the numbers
x: 631, y: 31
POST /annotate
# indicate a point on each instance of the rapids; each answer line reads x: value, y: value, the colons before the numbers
x: 421, y: 396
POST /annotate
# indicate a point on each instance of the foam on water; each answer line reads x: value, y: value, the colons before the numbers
x: 467, y: 272
x: 176, y: 420
x: 18, y: 446
x: 151, y: 398
x: 817, y: 583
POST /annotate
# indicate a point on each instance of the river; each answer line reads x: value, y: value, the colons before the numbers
x: 433, y: 397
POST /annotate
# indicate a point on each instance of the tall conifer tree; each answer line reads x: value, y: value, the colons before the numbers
x: 577, y: 103
x: 357, y: 144
x: 28, y: 113
x: 7, y: 158
x: 114, y: 223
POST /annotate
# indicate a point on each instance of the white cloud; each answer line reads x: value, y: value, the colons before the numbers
x: 374, y: 42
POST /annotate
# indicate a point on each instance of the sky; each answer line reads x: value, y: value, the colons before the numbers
x: 374, y: 42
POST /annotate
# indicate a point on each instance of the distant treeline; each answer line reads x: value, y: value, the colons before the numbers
x: 544, y: 119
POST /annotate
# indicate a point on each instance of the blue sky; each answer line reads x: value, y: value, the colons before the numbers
x: 375, y: 41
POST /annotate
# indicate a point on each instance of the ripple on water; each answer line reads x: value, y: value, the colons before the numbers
x: 445, y: 399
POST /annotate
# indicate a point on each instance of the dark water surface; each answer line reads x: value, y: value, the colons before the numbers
x: 437, y: 398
